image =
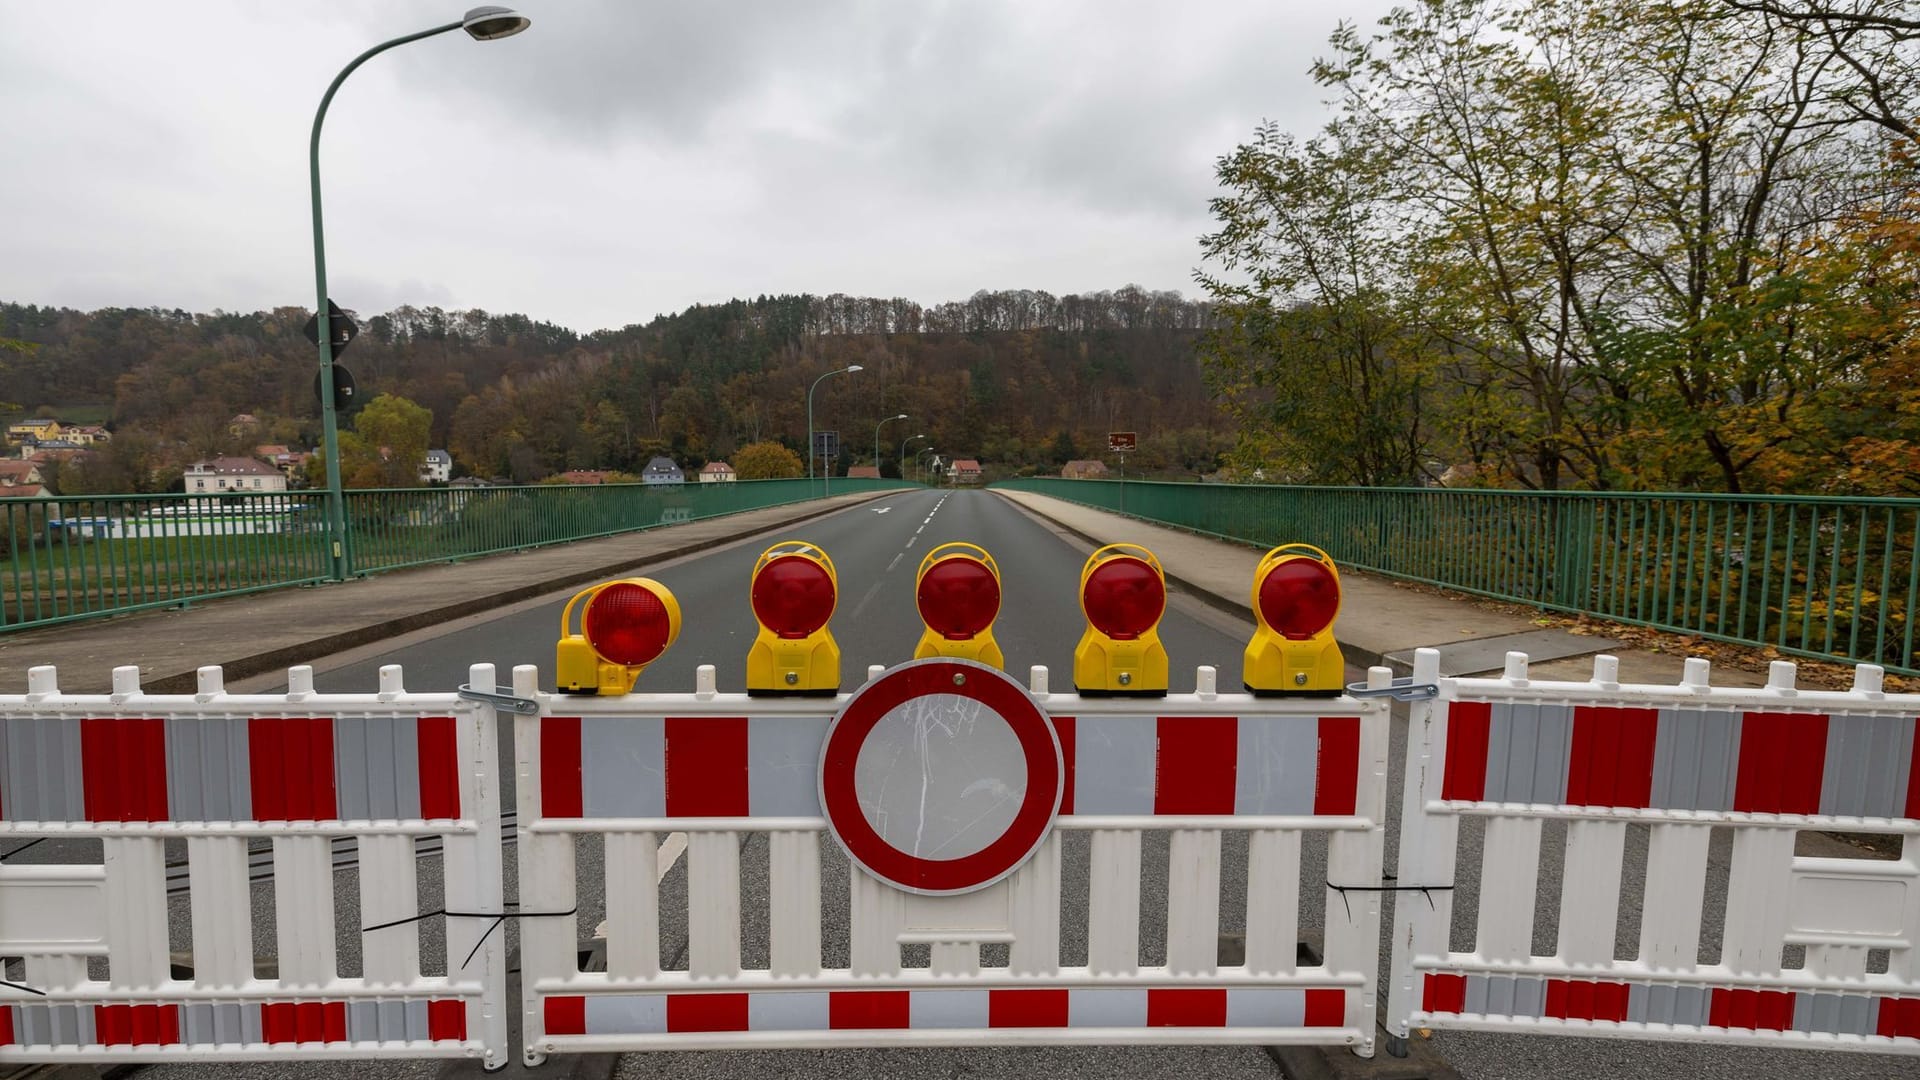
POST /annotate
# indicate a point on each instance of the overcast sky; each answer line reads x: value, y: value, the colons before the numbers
x: 623, y: 159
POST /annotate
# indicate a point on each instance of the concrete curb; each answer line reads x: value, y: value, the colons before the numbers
x: 257, y: 663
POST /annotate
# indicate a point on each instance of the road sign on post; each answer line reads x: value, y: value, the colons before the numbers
x: 1122, y: 442
x: 340, y: 329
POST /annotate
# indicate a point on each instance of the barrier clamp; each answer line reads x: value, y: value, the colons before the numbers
x: 523, y: 706
x: 1398, y: 690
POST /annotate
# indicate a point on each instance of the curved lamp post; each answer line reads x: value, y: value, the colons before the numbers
x: 481, y: 24
x: 876, y: 438
x: 903, y: 453
x: 848, y: 370
x: 916, y: 460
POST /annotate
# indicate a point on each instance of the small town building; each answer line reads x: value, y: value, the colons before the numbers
x: 19, y: 474
x: 37, y: 428
x: 87, y: 434
x: 869, y: 472
x: 662, y: 470
x: 438, y: 468
x: 717, y: 472
x: 584, y: 476
x: 964, y: 471
x: 1084, y: 469
x: 233, y: 475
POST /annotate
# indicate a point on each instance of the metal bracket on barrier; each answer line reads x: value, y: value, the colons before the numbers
x: 523, y: 706
x: 1398, y: 690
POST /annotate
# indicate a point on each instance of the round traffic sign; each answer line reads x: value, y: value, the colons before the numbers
x: 941, y: 776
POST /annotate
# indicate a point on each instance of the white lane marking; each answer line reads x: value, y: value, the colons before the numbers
x: 919, y: 530
x: 882, y: 509
x: 896, y: 560
x: 868, y: 599
x: 912, y: 538
x: 670, y: 851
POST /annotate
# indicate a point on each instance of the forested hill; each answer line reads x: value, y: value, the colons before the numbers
x: 1015, y: 378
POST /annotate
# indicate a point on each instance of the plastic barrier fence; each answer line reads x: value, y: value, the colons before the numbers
x: 109, y: 802
x: 944, y: 777
x: 1690, y: 810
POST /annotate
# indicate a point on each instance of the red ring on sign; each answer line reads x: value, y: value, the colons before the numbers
x: 990, y: 687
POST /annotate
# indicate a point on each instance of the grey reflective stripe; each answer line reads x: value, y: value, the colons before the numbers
x: 204, y: 1022
x: 54, y: 1025
x: 783, y: 765
x: 1527, y: 750
x: 633, y: 1014
x: 623, y: 763
x: 387, y: 1021
x: 1113, y: 765
x: 376, y: 767
x: 947, y: 1008
x: 1868, y: 759
x: 1505, y: 995
x: 40, y: 776
x: 1266, y: 1008
x: 209, y: 775
x: 1278, y: 759
x: 1838, y: 1014
x: 1107, y: 1008
x: 1696, y: 756
x: 807, y: 1011
x: 1681, y: 1006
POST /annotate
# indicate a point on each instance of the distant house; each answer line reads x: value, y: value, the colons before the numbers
x: 242, y: 423
x: 232, y: 475
x: 19, y: 474
x: 22, y: 491
x: 662, y: 470
x: 87, y: 434
x: 438, y: 468
x: 717, y: 472
x: 1084, y: 469
x: 583, y: 476
x: 964, y: 471
x: 870, y: 472
x: 36, y: 429
x: 45, y: 450
x: 469, y: 482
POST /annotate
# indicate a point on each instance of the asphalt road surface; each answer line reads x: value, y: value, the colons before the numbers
x: 876, y: 548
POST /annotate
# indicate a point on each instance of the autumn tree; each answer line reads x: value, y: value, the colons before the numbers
x: 766, y: 461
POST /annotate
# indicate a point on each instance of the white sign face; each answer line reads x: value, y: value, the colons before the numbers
x: 940, y: 776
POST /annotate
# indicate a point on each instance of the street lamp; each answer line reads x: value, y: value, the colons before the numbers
x: 916, y: 460
x: 903, y: 453
x: 848, y: 370
x: 876, y: 439
x: 481, y: 24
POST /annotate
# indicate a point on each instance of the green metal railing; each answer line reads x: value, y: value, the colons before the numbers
x: 1829, y: 578
x: 79, y: 557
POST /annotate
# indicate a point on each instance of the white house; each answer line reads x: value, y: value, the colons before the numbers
x: 438, y: 468
x: 717, y: 472
x: 231, y: 475
x: 662, y: 470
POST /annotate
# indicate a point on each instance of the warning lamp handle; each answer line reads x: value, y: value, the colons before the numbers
x: 566, y: 613
x: 1134, y: 551
x: 1294, y: 549
x: 961, y: 547
x: 803, y: 548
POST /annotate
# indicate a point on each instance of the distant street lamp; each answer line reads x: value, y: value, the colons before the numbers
x: 876, y: 439
x: 848, y: 370
x: 903, y: 453
x: 916, y: 461
x: 481, y: 24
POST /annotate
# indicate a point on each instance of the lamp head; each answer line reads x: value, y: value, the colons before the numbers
x: 493, y: 23
x: 851, y: 368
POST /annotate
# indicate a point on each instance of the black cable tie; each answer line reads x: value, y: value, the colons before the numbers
x: 1424, y: 890
x: 27, y: 989
x: 17, y: 851
x: 498, y: 917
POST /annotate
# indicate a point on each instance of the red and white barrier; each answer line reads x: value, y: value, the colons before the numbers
x: 710, y: 770
x: 217, y: 774
x: 1814, y: 951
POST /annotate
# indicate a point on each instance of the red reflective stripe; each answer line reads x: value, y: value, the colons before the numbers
x: 853, y: 1010
x: 1751, y: 1010
x: 706, y: 1012
x: 1577, y: 999
x: 1782, y: 756
x: 1612, y: 759
x: 112, y: 1026
x: 1913, y: 776
x: 1063, y: 730
x: 1468, y: 723
x: 439, y: 769
x: 1186, y: 1008
x: 566, y: 1015
x: 446, y: 1020
x: 560, y: 778
x: 290, y: 764
x: 123, y: 769
x: 1444, y: 993
x: 1194, y: 767
x: 1337, y: 775
x: 6, y: 1025
x: 1899, y: 1018
x: 707, y: 767
x: 304, y: 1021
x: 1027, y: 1008
x: 1327, y: 1008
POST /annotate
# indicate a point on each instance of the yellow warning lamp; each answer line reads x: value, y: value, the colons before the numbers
x: 1123, y: 592
x: 1296, y: 597
x: 794, y: 592
x: 958, y: 593
x: 624, y: 626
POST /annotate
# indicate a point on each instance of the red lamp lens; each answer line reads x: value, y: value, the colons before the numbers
x: 1299, y: 598
x: 627, y: 624
x: 958, y: 597
x: 793, y: 596
x: 1123, y: 598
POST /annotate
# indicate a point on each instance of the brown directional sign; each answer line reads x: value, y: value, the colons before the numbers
x: 1121, y: 442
